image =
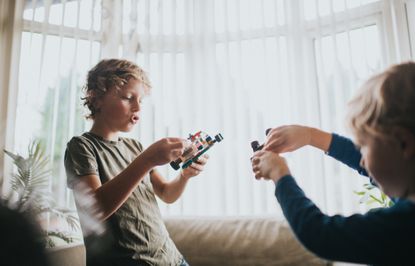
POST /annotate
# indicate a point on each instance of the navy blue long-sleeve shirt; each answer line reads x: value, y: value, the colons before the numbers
x: 381, y: 237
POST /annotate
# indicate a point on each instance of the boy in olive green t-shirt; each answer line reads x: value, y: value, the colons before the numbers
x: 121, y: 174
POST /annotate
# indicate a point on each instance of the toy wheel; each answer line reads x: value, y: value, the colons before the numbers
x: 175, y: 165
x: 255, y: 145
x: 218, y: 137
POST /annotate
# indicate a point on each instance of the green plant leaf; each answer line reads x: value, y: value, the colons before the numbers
x: 360, y: 193
x: 31, y: 182
x: 372, y: 195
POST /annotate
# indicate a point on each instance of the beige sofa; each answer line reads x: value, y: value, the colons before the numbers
x: 238, y: 241
x: 222, y: 241
x: 69, y: 255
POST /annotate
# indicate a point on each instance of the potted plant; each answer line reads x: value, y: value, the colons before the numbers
x: 30, y: 194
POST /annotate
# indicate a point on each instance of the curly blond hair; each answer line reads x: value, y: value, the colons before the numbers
x: 384, y: 101
x: 109, y: 73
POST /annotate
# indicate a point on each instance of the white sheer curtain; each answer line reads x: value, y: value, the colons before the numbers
x: 59, y: 43
x: 10, y: 39
x: 236, y: 67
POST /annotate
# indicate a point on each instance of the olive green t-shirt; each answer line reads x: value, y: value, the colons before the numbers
x: 137, y: 226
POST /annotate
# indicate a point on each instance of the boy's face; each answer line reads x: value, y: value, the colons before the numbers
x: 120, y: 107
x: 382, y: 158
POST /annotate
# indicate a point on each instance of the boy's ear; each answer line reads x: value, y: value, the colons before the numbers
x: 97, y: 102
x: 407, y: 142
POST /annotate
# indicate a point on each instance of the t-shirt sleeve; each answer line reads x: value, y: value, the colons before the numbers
x: 79, y: 160
x: 139, y: 145
x: 141, y: 149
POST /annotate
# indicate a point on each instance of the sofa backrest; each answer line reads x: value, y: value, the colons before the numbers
x: 238, y: 241
x: 220, y: 241
x: 69, y: 255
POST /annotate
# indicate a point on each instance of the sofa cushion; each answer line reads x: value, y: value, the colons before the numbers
x: 238, y: 241
x: 68, y: 255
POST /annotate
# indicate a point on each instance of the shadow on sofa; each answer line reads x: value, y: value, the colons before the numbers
x: 238, y: 241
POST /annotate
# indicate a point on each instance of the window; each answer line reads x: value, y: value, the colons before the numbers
x: 58, y: 46
x: 256, y: 64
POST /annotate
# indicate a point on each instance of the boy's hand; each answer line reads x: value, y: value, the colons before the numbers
x: 287, y: 138
x: 195, y: 168
x: 269, y: 165
x: 164, y: 151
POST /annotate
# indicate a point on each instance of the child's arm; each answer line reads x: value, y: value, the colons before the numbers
x: 369, y: 238
x: 170, y: 191
x: 382, y: 236
x: 111, y: 195
x: 344, y: 150
x: 292, y: 137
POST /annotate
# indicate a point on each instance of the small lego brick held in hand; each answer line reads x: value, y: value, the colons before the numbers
x: 255, y: 144
x: 197, y: 145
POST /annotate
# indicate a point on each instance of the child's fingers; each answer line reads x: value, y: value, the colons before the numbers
x: 173, y: 139
x: 258, y: 153
x: 176, y: 146
x: 258, y: 175
x: 176, y: 143
x: 275, y: 145
x: 196, y: 166
x: 273, y: 134
x: 202, y: 159
x: 255, y: 160
x: 177, y: 152
x: 256, y: 168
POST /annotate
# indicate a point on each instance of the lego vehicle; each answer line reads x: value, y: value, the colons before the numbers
x: 197, y: 145
x: 255, y: 144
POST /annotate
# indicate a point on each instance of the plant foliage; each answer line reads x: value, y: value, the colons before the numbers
x: 32, y: 196
x: 372, y: 195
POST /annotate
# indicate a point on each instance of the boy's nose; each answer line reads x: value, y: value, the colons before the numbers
x: 136, y: 106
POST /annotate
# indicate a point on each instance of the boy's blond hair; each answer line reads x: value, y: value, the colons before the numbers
x: 109, y: 73
x: 384, y: 101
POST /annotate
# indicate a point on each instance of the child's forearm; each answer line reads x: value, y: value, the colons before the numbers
x: 174, y: 189
x: 115, y: 192
x: 320, y: 139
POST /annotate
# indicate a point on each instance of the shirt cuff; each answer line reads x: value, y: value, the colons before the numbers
x: 282, y: 180
x: 335, y: 144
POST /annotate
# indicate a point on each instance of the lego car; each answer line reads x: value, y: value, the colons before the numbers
x: 197, y: 145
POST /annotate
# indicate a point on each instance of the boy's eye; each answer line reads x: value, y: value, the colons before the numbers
x: 126, y: 97
x: 130, y: 98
